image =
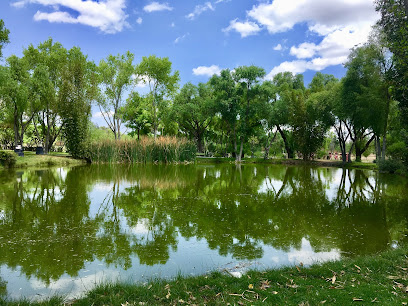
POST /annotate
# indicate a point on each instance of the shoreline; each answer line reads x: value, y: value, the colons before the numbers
x: 379, y: 278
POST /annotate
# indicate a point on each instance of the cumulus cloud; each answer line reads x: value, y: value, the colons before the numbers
x: 341, y: 24
x: 139, y: 20
x: 157, y: 6
x: 107, y: 15
x: 199, y: 9
x: 282, y: 15
x: 207, y: 70
x: 246, y: 28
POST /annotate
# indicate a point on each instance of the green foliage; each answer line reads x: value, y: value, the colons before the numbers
x: 193, y: 109
x: 4, y: 36
x: 137, y: 115
x: 77, y: 91
x: 145, y: 150
x: 156, y: 73
x: 390, y: 165
x: 115, y: 76
x: 8, y: 159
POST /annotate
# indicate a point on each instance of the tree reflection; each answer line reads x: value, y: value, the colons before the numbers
x: 48, y: 228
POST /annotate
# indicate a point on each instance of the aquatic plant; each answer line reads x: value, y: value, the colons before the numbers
x: 162, y: 149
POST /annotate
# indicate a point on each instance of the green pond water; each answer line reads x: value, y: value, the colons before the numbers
x: 63, y: 230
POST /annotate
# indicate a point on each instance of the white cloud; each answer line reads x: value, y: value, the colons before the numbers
x: 246, y: 28
x: 107, y: 15
x: 199, y: 9
x: 278, y: 47
x: 156, y: 6
x: 341, y: 24
x: 282, y: 15
x: 305, y: 50
x: 207, y: 70
x: 180, y: 38
x: 139, y: 20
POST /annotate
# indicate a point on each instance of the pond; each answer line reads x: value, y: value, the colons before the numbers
x: 63, y: 230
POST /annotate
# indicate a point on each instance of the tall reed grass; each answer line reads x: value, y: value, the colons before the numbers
x: 162, y: 149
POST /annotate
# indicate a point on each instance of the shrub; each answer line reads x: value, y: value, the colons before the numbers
x: 8, y: 159
x: 390, y: 165
x: 163, y: 150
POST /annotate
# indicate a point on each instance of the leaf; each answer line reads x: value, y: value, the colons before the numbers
x: 168, y: 295
x: 298, y: 268
x: 322, y: 302
x: 357, y: 300
x: 392, y: 277
x: 265, y: 285
x: 250, y: 286
x: 274, y: 292
x: 333, y: 279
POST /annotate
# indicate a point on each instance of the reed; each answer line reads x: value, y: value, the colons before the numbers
x: 161, y: 150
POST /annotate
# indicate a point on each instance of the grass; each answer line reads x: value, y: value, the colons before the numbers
x: 162, y: 149
x: 378, y: 279
x: 281, y: 161
x: 30, y: 160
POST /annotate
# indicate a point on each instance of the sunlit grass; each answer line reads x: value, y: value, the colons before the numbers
x: 147, y: 149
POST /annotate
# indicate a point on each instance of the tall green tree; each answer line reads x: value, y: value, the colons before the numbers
x: 4, y: 36
x: 394, y: 24
x: 15, y: 94
x: 365, y: 96
x: 136, y: 114
x: 156, y: 72
x: 248, y: 79
x: 47, y: 62
x: 115, y: 78
x: 227, y: 101
x: 78, y: 89
x: 194, y: 110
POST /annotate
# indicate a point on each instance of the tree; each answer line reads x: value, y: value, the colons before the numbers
x: 136, y: 114
x: 227, y: 102
x: 285, y: 83
x: 365, y: 96
x: 193, y: 110
x: 247, y: 78
x: 394, y: 24
x: 156, y: 73
x: 115, y: 77
x: 4, y: 36
x: 15, y: 92
x: 78, y: 89
x: 47, y: 62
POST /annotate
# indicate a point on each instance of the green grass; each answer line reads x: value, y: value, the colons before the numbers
x: 281, y: 161
x: 162, y: 150
x: 30, y: 160
x: 378, y: 279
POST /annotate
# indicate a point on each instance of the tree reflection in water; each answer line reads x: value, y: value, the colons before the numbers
x: 52, y: 224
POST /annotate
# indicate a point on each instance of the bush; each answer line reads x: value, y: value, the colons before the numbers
x: 8, y: 159
x: 163, y: 150
x: 390, y: 165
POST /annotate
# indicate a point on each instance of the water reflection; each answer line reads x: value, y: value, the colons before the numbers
x: 54, y: 223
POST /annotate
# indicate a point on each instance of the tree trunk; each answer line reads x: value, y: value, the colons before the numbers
x: 239, y: 156
x: 285, y: 141
x: 351, y: 150
x: 235, y: 143
x: 199, y: 140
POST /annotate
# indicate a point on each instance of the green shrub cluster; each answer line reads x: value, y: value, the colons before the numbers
x: 161, y: 149
x: 390, y: 165
x: 8, y: 159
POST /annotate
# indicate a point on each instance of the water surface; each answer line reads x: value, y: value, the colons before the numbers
x: 63, y: 230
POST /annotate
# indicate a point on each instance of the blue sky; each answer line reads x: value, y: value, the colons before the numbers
x: 199, y: 37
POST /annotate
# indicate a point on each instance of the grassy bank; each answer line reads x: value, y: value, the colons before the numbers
x: 297, y: 162
x: 381, y: 279
x: 162, y: 150
x: 31, y: 160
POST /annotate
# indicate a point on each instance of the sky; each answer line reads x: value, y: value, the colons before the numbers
x: 199, y: 37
